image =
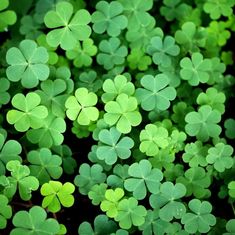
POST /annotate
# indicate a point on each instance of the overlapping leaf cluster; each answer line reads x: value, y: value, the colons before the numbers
x: 149, y: 84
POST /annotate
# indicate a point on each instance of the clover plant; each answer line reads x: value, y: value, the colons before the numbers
x: 117, y: 117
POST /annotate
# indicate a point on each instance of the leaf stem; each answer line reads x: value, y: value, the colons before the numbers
x: 232, y: 208
x: 27, y: 205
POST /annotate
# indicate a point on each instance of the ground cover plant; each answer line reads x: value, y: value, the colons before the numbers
x: 117, y: 117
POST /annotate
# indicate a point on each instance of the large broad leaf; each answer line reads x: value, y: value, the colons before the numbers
x: 156, y: 93
x: 68, y: 28
x: 27, y: 63
x: 34, y: 222
x: 142, y: 179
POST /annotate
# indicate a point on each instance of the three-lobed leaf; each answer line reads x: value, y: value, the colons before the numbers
x: 68, y: 28
x: 27, y: 64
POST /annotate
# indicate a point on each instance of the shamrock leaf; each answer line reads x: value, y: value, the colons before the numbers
x: 53, y: 96
x: 153, y: 224
x: 111, y: 53
x: 216, y: 8
x: 30, y: 27
x: 82, y: 53
x: 156, y: 92
x: 143, y: 178
x: 122, y: 112
x: 136, y: 12
x: 213, y: 98
x: 50, y: 134
x: 97, y: 193
x: 166, y: 201
x: 28, y: 112
x: 80, y: 107
x: 110, y: 203
x: 190, y: 37
x: 5, y: 96
x: 218, y: 32
x: 200, y: 220
x: 220, y: 156
x: 138, y: 60
x: 162, y: 51
x: 196, y: 69
x: 152, y: 138
x: 34, y: 222
x: 20, y: 179
x: 203, y: 124
x: 130, y: 213
x: 180, y: 110
x: 63, y: 73
x: 90, y: 81
x: 5, y: 211
x: 28, y: 64
x: 113, y: 88
x: 7, y: 17
x: 139, y: 36
x: 230, y: 128
x: 68, y: 28
x: 44, y: 165
x: 68, y: 162
x: 88, y: 177
x: 120, y: 174
x: 57, y: 194
x: 9, y: 150
x: 93, y: 158
x: 172, y: 9
x: 102, y: 226
x: 108, y: 17
x: 195, y: 154
x: 113, y: 146
x: 196, y: 180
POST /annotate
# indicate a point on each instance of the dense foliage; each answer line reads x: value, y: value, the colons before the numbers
x: 120, y: 112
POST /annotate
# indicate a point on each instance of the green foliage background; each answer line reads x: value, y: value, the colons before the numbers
x: 146, y: 88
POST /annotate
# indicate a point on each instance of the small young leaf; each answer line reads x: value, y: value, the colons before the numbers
x: 97, y: 193
x: 113, y: 88
x: 57, y: 194
x: 110, y: 203
x: 80, y: 107
x: 152, y: 139
x: 122, y: 112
